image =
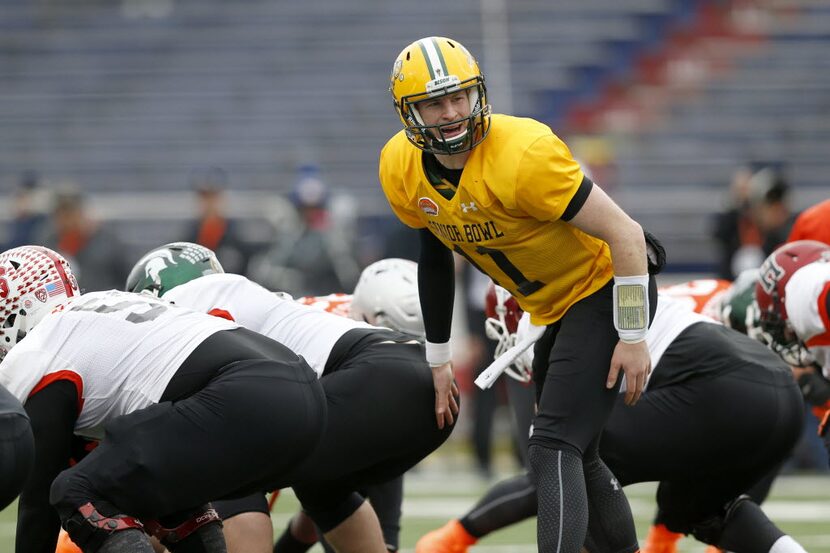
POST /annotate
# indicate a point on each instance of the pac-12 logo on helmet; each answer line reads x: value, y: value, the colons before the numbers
x: 171, y: 265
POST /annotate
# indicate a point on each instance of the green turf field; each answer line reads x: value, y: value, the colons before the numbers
x: 799, y: 504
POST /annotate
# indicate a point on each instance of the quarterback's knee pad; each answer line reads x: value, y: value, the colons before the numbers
x: 91, y: 526
x: 201, y: 531
x: 709, y: 530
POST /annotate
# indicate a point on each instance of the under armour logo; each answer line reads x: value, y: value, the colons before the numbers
x: 468, y: 207
x: 615, y: 484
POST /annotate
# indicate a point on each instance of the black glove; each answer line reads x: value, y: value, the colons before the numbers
x: 655, y: 252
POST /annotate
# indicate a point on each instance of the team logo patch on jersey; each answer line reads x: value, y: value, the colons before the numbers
x: 428, y: 206
x: 40, y: 294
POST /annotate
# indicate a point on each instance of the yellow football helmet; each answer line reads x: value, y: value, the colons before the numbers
x: 433, y: 67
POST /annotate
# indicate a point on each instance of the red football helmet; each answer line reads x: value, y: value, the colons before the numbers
x: 770, y: 293
x: 503, y: 315
x: 33, y: 281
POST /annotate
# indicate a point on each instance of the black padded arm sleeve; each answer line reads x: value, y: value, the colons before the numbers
x: 53, y: 412
x: 436, y: 287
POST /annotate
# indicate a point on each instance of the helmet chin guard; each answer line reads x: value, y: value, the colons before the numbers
x: 34, y: 281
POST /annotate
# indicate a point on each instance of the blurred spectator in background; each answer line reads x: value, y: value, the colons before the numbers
x: 756, y: 222
x: 401, y: 242
x: 310, y: 258
x: 213, y: 229
x: 28, y: 212
x: 812, y: 224
x: 96, y: 253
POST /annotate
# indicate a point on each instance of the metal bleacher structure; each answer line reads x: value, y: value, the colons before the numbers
x: 124, y: 98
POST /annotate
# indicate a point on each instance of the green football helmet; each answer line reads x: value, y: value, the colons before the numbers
x: 738, y: 308
x: 168, y: 266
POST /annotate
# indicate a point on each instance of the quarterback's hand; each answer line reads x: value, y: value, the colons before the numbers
x: 446, y: 392
x: 635, y: 361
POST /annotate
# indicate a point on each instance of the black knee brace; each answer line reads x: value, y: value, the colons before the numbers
x: 89, y: 529
x: 709, y: 530
x: 202, y: 531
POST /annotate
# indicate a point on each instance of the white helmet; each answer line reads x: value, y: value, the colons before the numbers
x: 387, y: 295
x: 33, y: 281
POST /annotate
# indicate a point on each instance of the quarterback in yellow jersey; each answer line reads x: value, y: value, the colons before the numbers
x: 506, y: 193
x: 502, y: 217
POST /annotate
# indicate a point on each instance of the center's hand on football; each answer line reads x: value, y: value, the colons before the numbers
x: 635, y: 361
x: 446, y: 392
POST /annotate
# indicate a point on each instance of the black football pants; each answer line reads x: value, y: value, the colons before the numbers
x: 241, y: 414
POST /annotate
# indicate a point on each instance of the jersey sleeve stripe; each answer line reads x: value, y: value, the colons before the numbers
x: 71, y: 376
x: 578, y: 199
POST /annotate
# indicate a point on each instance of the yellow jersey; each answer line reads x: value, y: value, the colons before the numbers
x: 505, y: 216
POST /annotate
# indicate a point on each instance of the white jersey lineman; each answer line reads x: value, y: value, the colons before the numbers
x: 146, y: 340
x: 806, y: 303
x: 673, y: 316
x: 308, y: 331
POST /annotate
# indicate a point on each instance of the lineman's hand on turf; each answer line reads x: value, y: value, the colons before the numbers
x: 635, y: 361
x: 446, y: 392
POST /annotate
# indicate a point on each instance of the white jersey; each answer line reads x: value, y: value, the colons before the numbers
x: 119, y: 349
x: 308, y: 332
x: 673, y: 316
x: 806, y: 304
x: 339, y: 304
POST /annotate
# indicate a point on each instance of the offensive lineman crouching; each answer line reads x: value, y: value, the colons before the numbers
x: 175, y: 395
x: 359, y: 365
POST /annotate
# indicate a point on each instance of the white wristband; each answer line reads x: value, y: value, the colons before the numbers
x: 438, y: 354
x: 631, y: 310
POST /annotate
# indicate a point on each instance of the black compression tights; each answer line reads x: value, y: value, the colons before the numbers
x: 565, y: 488
x: 506, y: 503
x: 563, y: 502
